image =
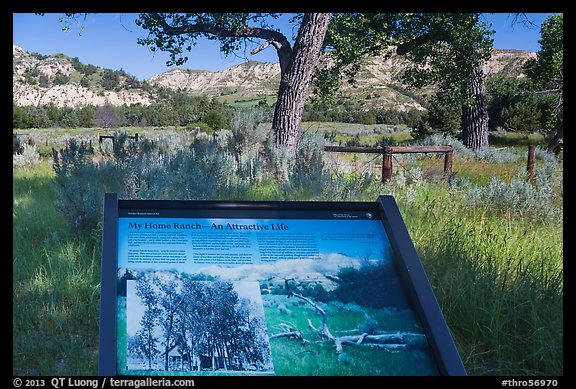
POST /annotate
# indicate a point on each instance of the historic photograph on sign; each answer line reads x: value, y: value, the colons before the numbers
x: 317, y: 297
x: 194, y: 326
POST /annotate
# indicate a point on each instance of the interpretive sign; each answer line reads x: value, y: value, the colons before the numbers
x: 266, y: 288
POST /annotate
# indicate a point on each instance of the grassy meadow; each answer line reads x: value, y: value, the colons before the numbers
x: 490, y: 242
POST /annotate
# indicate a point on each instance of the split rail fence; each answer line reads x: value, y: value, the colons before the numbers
x: 388, y: 151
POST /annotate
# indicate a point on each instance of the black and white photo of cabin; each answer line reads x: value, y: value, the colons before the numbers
x: 176, y: 324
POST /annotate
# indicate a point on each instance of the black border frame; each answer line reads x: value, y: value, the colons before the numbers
x: 410, y: 268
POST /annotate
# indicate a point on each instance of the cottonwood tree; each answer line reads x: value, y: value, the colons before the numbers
x: 447, y: 50
x: 169, y: 300
x: 145, y: 341
x: 547, y: 74
x: 174, y: 33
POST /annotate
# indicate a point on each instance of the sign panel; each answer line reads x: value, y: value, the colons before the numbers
x: 266, y: 288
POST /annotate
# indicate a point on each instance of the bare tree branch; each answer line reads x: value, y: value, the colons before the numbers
x: 264, y: 45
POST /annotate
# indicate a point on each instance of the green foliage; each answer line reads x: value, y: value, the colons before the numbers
x: 60, y: 78
x: 353, y: 35
x: 56, y: 283
x: 325, y: 87
x: 86, y: 70
x: 511, y: 104
x: 495, y: 279
x: 175, y: 108
x: 452, y: 45
x: 77, y: 180
x: 214, y: 120
x: 228, y: 28
x: 536, y: 198
x: 110, y: 79
x: 364, y: 286
x: 547, y: 74
x: 354, y: 113
x: 199, y: 127
x: 24, y: 155
x: 547, y: 69
x: 443, y: 48
x: 443, y: 115
x: 17, y: 146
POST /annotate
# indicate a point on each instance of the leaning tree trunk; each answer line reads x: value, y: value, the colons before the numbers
x: 296, y: 76
x: 556, y: 144
x: 475, y: 115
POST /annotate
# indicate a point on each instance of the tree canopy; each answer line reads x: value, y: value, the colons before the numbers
x: 547, y: 74
x: 446, y: 50
x: 178, y: 33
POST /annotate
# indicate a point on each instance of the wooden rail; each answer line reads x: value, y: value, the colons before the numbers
x: 388, y: 151
x: 101, y: 137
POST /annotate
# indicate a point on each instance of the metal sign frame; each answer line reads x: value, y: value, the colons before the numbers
x: 410, y: 269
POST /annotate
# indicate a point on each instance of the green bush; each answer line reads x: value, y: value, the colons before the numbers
x: 214, y: 120
x: 77, y: 181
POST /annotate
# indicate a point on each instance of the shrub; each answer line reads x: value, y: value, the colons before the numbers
x: 26, y: 156
x: 214, y: 120
x: 247, y: 142
x: 521, y: 197
x: 80, y: 196
x: 17, y: 147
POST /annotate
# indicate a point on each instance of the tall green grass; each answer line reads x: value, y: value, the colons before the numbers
x: 498, y: 279
x: 55, y: 284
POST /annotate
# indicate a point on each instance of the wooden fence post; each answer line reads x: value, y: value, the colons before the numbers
x: 530, y: 166
x: 448, y: 163
x: 386, y: 164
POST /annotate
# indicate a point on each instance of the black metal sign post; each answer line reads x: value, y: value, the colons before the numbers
x: 108, y: 303
x: 349, y: 267
x: 420, y: 289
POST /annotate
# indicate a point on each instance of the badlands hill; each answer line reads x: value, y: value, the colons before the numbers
x: 64, y: 81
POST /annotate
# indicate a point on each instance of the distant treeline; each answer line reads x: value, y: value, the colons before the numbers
x: 88, y: 76
x: 174, y: 109
x: 185, y: 111
x: 410, y: 118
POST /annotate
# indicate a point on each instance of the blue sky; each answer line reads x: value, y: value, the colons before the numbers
x: 108, y: 40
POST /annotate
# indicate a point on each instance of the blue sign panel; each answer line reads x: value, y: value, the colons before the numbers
x: 266, y: 288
